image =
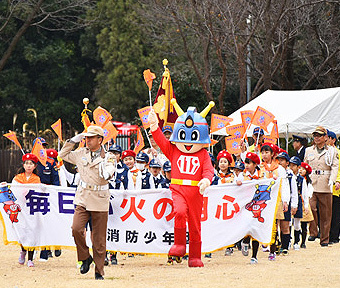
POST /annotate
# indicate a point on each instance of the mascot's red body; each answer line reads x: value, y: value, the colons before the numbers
x: 190, y: 165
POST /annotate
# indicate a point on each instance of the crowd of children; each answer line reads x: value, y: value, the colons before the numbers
x: 150, y: 169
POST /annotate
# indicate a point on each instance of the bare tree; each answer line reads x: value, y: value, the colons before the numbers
x: 53, y: 15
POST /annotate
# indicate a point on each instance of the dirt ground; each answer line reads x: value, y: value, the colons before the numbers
x: 311, y: 267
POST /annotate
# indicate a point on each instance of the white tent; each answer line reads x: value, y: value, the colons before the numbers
x: 298, y: 112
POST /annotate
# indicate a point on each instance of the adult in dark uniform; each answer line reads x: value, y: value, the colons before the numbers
x: 120, y: 179
x: 48, y: 175
x: 299, y: 144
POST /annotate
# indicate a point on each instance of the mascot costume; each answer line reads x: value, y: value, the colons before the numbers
x: 191, y: 174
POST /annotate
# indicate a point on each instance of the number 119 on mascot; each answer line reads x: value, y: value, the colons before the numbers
x: 191, y: 174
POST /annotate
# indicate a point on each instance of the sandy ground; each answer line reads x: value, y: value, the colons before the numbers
x: 311, y: 267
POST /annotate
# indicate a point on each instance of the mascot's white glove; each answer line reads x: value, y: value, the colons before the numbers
x: 77, y: 138
x: 203, y: 184
x: 153, y: 120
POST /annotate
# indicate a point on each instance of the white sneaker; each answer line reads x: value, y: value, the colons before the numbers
x: 253, y: 261
x: 30, y: 263
x: 296, y: 246
x: 245, y: 249
x: 22, y: 257
x: 229, y: 251
x: 265, y: 248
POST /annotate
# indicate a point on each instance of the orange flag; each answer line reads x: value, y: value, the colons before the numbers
x: 110, y: 132
x: 39, y: 151
x: 148, y: 77
x: 219, y: 121
x: 213, y: 142
x: 275, y: 130
x: 269, y: 139
x: 232, y: 144
x: 262, y: 118
x: 57, y: 129
x: 140, y: 142
x: 236, y: 130
x: 246, y: 117
x: 13, y: 137
x: 144, y: 116
x: 101, y: 116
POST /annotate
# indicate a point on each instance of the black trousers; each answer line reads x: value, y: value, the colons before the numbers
x: 335, y: 224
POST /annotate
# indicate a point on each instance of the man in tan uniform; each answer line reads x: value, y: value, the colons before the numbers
x: 324, y: 161
x: 92, y: 196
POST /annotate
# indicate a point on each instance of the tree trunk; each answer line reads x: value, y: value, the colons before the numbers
x: 18, y: 35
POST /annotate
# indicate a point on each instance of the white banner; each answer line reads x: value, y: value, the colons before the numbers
x: 140, y: 221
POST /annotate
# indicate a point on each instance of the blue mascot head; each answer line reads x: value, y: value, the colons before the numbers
x: 191, y: 130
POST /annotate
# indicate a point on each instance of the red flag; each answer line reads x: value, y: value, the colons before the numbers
x: 236, y: 130
x: 232, y: 144
x: 148, y: 77
x: 110, y: 132
x: 144, y: 116
x: 275, y: 130
x: 219, y: 121
x: 39, y: 151
x: 246, y: 117
x: 13, y: 137
x: 57, y: 129
x: 140, y: 142
x: 101, y: 116
x: 262, y: 118
x: 269, y: 139
x: 165, y: 110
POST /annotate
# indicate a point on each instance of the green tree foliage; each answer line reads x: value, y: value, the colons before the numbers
x: 125, y: 54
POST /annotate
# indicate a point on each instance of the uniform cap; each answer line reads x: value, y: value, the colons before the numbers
x: 320, y: 130
x: 258, y: 130
x: 239, y: 165
x: 283, y: 155
x: 167, y: 128
x: 167, y: 166
x: 307, y: 167
x: 298, y: 138
x: 154, y: 164
x: 295, y: 160
x: 116, y: 148
x: 52, y: 153
x: 94, y: 130
x: 30, y: 156
x: 142, y: 157
x: 253, y: 157
x: 225, y: 154
x: 43, y: 141
x: 127, y: 153
x: 274, y: 147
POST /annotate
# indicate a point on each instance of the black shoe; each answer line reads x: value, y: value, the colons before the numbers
x: 303, y: 246
x: 114, y: 260
x: 106, y: 262
x: 324, y: 244
x: 43, y: 255
x: 57, y: 253
x: 85, y: 267
x: 311, y: 238
x: 97, y: 276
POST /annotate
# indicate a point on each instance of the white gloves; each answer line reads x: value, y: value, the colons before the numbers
x: 153, y: 120
x: 203, y: 184
x: 108, y: 167
x: 77, y: 138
